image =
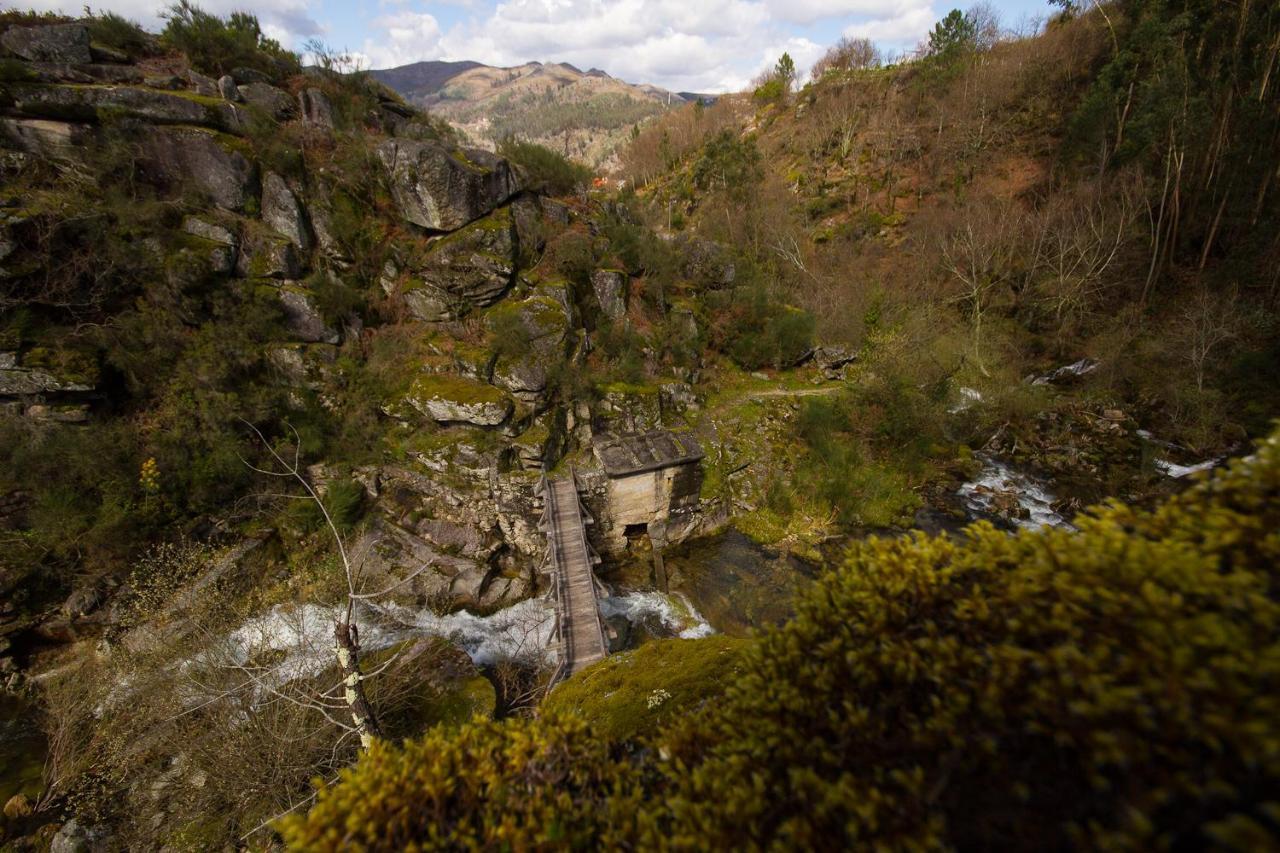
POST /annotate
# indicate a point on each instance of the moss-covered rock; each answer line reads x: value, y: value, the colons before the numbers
x: 441, y: 188
x: 471, y: 268
x: 92, y: 103
x: 453, y: 399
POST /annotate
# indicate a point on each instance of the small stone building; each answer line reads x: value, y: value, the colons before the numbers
x: 654, y: 483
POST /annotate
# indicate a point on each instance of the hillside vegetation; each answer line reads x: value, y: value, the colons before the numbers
x: 283, y: 363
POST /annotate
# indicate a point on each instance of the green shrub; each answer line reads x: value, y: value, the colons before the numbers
x: 116, y: 31
x: 217, y: 45
x: 519, y: 785
x: 547, y: 171
x: 757, y: 330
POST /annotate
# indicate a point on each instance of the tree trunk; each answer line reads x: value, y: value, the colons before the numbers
x: 348, y: 652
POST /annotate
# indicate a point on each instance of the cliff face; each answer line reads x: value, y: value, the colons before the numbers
x: 185, y: 254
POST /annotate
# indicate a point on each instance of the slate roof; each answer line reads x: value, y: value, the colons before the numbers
x: 623, y: 455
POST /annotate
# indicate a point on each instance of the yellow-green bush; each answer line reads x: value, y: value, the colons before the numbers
x: 1117, y: 687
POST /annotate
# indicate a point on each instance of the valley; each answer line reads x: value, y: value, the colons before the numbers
x: 889, y: 459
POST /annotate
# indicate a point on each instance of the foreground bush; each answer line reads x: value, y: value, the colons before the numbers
x: 1118, y: 687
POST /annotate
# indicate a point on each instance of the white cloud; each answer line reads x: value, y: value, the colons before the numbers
x: 808, y: 11
x: 907, y: 27
x: 407, y: 37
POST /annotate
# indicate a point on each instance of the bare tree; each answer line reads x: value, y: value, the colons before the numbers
x: 976, y: 256
x: 1076, y: 242
x: 848, y: 54
x: 345, y: 630
x: 1211, y: 320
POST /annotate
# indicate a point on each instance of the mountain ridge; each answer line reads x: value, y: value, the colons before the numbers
x: 582, y: 114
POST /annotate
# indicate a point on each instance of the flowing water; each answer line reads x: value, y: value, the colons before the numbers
x: 1003, y: 494
x: 298, y: 639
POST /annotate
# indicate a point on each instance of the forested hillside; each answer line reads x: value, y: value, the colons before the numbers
x: 949, y: 356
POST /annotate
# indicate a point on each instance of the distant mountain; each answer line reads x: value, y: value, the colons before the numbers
x: 584, y: 114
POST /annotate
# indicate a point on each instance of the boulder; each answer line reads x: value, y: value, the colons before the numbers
x: 74, y: 837
x: 19, y: 381
x: 197, y: 227
x: 227, y: 88
x: 282, y: 210
x: 164, y: 81
x: 388, y: 553
x: 103, y: 53
x: 610, y: 287
x: 443, y: 188
x: 86, y: 103
x: 316, y: 109
x: 268, y: 256
x: 204, y: 86
x: 177, y: 156
x: 303, y: 317
x: 302, y: 365
x: 54, y: 43
x: 275, y: 102
x: 322, y: 226
x: 544, y: 323
x: 707, y: 263
x: 629, y: 408
x: 243, y: 76
x: 453, y: 399
x: 56, y: 140
x: 471, y: 268
x: 62, y: 72
x: 82, y: 601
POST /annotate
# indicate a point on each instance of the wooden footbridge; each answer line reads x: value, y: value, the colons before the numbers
x: 579, y: 632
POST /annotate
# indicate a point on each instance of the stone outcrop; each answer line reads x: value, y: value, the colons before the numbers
x: 282, y: 210
x: 316, y: 109
x: 544, y: 321
x: 471, y: 268
x: 303, y: 317
x: 58, y: 140
x: 708, y: 263
x: 610, y: 288
x: 178, y: 156
x: 86, y: 103
x: 268, y: 256
x: 452, y: 399
x: 227, y: 88
x: 54, y: 43
x: 38, y: 374
x: 443, y: 188
x: 274, y: 102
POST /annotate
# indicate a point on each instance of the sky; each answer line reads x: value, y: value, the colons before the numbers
x: 683, y: 45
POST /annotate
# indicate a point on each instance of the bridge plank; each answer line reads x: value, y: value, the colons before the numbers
x: 581, y: 631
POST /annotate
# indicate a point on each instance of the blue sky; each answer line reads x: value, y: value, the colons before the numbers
x: 685, y: 45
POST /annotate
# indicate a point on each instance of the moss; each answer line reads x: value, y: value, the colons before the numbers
x: 633, y: 694
x: 66, y: 364
x: 628, y: 388
x: 459, y: 389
